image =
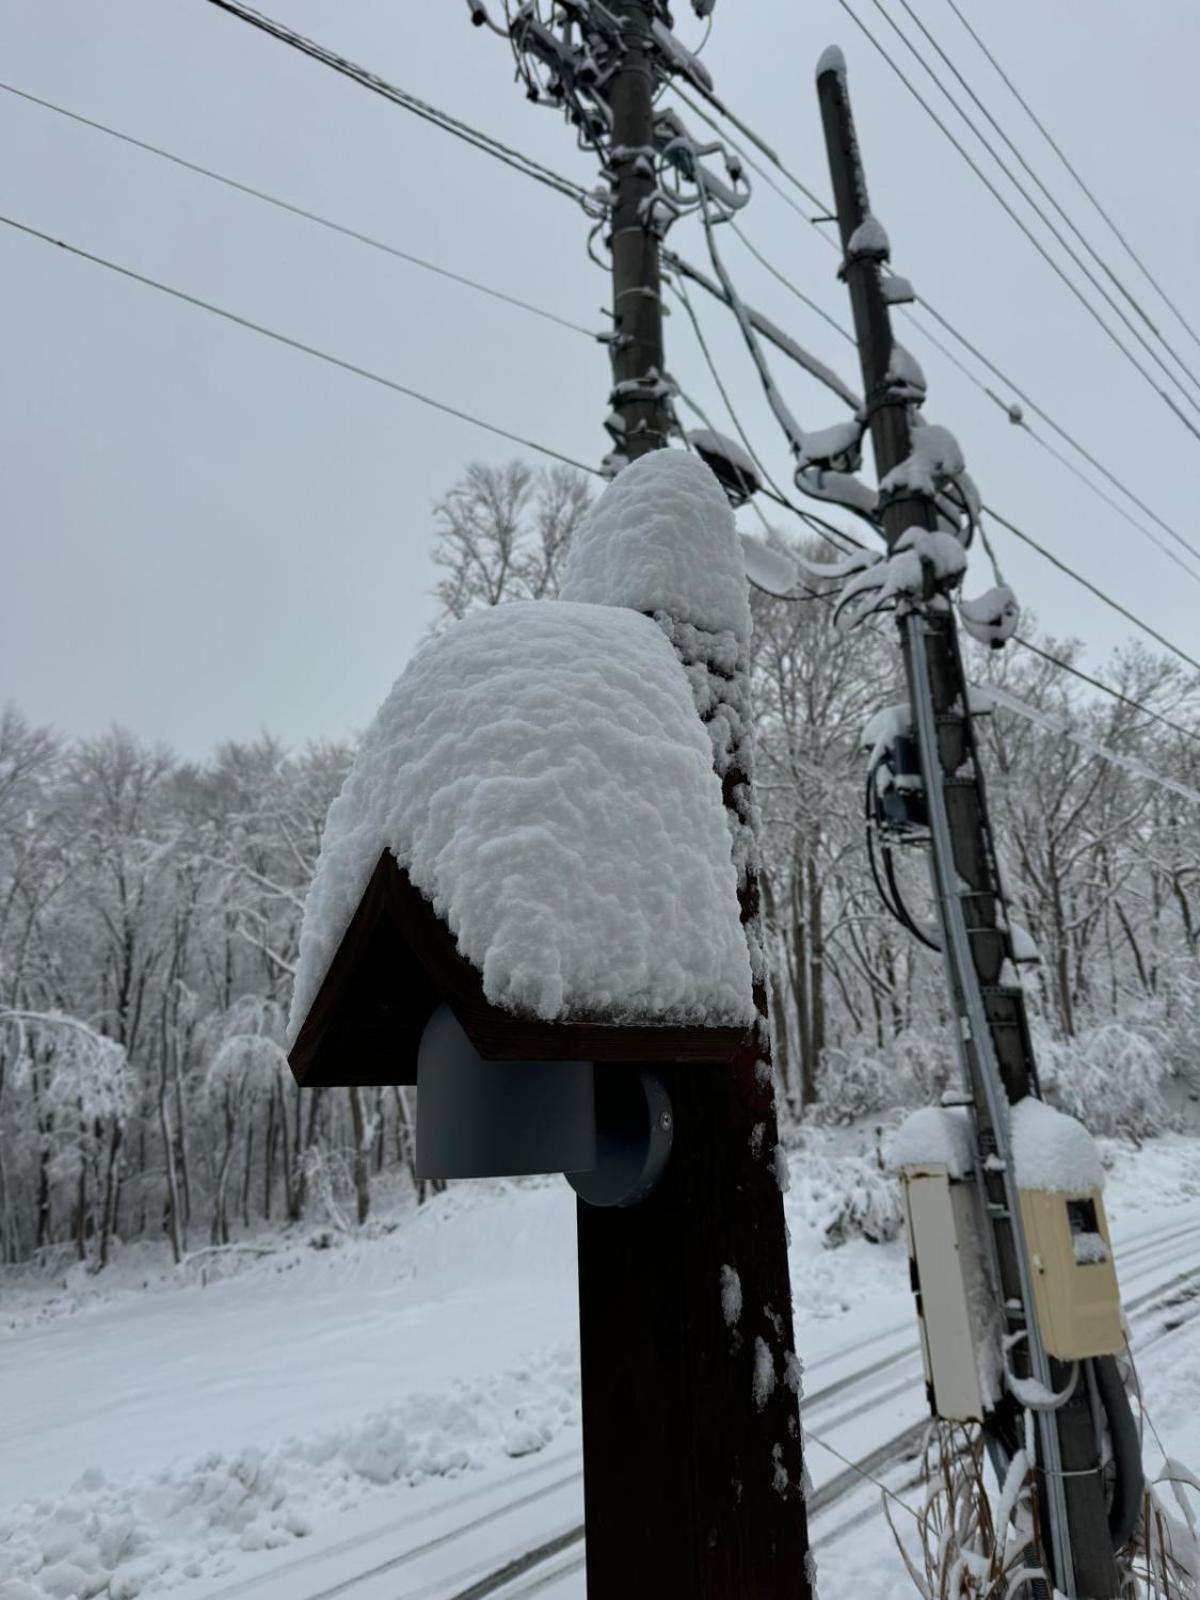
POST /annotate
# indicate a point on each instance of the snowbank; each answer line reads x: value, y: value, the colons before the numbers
x: 661, y: 538
x: 542, y: 774
x: 1053, y: 1151
x: 125, y: 1536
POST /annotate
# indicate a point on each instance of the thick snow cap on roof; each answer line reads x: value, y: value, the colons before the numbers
x: 542, y: 774
x: 1052, y: 1150
x: 661, y: 538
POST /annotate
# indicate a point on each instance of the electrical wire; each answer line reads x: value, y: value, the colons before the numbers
x: 534, y: 169
x: 1037, y: 410
x: 301, y: 211
x: 1003, y: 700
x: 770, y: 488
x: 1027, y: 167
x: 294, y: 344
x: 971, y: 348
x: 409, y: 102
x: 1058, y: 151
x: 891, y: 897
x: 1017, y: 419
x: 754, y: 166
x: 1105, y: 688
x: 791, y: 287
x: 827, y: 530
x: 1107, y: 599
x: 1102, y: 494
x: 1020, y: 223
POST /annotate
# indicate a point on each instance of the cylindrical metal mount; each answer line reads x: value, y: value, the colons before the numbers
x: 635, y: 1129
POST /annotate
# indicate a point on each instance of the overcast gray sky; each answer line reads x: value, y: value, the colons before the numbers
x: 207, y: 534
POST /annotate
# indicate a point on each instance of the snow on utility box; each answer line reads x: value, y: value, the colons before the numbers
x: 1060, y: 1178
x: 941, y: 1246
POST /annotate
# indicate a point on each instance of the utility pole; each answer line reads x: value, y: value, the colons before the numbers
x: 693, y: 1462
x: 640, y: 416
x: 998, y: 1059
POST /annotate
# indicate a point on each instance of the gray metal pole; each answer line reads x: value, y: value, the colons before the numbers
x: 995, y: 1031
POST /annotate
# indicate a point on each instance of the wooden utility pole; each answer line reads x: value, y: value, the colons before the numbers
x: 639, y: 398
x: 1083, y: 1560
x: 693, y: 1462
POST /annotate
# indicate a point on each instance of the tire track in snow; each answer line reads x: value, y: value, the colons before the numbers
x: 529, y: 1562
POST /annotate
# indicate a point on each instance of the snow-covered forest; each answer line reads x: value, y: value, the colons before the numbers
x: 150, y: 909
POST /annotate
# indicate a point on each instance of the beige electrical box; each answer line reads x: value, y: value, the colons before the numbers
x: 1074, y: 1279
x: 943, y: 1257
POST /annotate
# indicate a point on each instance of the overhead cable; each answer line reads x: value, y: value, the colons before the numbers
x: 409, y: 102
x: 1107, y: 599
x: 1037, y: 410
x: 1008, y: 701
x: 770, y: 488
x: 1060, y: 153
x: 791, y: 287
x: 295, y: 344
x: 301, y: 211
x: 1021, y: 224
x: 1106, y: 688
x: 1050, y: 197
x: 979, y: 355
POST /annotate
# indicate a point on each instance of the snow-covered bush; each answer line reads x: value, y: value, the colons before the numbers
x: 860, y: 1080
x: 1113, y: 1077
x: 846, y: 1197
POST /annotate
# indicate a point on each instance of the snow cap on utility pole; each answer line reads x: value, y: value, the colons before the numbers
x: 661, y: 539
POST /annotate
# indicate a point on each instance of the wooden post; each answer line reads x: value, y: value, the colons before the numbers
x: 693, y: 1459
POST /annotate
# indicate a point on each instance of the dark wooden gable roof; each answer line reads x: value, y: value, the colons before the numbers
x: 397, y: 961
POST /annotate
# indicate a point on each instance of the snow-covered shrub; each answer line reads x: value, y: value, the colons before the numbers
x: 860, y: 1080
x: 1113, y: 1077
x: 846, y: 1197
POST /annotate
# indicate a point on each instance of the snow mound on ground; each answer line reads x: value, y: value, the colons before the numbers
x: 124, y: 1538
x: 1052, y: 1150
x: 934, y: 1135
x: 661, y: 538
x: 541, y: 772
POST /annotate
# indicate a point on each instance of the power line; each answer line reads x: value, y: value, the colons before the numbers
x: 300, y: 211
x: 790, y: 286
x: 1107, y: 599
x: 1105, y: 688
x: 1058, y: 151
x: 533, y: 169
x: 1007, y: 701
x: 818, y: 524
x: 409, y: 102
x: 750, y: 161
x: 769, y: 488
x: 1084, y: 241
x: 1018, y: 220
x: 296, y: 344
x: 1102, y: 494
x: 973, y: 349
x: 1037, y: 410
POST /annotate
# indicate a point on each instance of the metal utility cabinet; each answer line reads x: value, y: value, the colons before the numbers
x: 1074, y: 1279
x: 943, y: 1251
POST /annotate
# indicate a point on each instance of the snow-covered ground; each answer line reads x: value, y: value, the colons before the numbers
x: 407, y: 1403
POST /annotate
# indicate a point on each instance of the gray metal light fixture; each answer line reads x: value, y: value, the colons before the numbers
x: 491, y: 1119
x: 610, y: 1131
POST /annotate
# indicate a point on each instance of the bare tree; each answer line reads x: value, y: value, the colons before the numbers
x: 502, y: 533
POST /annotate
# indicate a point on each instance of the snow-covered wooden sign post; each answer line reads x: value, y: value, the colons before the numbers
x: 536, y: 898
